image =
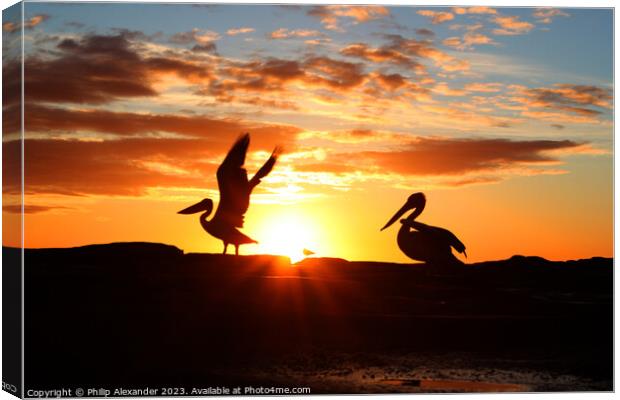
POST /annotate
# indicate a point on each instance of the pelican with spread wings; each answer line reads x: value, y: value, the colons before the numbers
x: 235, y: 190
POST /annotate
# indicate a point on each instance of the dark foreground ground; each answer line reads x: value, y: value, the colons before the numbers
x: 136, y: 314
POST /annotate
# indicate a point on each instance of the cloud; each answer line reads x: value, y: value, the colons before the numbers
x: 474, y: 10
x: 354, y: 136
x: 239, y: 31
x: 331, y: 15
x: 208, y: 47
x: 31, y: 208
x: 273, y: 75
x: 391, y: 81
x: 385, y: 54
x: 54, y: 120
x: 424, y: 49
x: 334, y: 73
x: 468, y: 114
x: 468, y: 41
x: 443, y: 89
x: 545, y: 15
x: 572, y: 99
x: 107, y: 168
x: 424, y: 32
x: 97, y: 69
x: 406, y: 52
x: 317, y: 42
x: 11, y: 27
x: 440, y: 157
x: 485, y: 87
x: 134, y: 161
x: 196, y: 35
x: 511, y: 25
x: 284, y: 33
x: 437, y: 17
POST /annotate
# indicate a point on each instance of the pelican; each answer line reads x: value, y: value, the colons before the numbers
x: 423, y: 242
x: 235, y: 190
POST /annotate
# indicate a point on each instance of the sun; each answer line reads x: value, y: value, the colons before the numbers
x: 287, y: 235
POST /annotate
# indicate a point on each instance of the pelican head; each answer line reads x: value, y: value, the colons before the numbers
x: 205, y: 205
x: 417, y: 201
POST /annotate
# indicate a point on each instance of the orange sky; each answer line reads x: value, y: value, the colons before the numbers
x: 126, y: 126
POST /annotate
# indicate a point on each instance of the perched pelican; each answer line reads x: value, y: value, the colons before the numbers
x: 235, y: 190
x: 424, y: 243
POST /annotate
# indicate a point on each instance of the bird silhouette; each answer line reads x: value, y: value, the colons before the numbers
x: 235, y: 190
x: 308, y: 252
x: 423, y: 242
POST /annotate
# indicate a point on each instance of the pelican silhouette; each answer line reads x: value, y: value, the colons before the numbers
x: 235, y: 190
x: 426, y: 243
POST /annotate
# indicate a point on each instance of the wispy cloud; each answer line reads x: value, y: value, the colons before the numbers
x: 11, y: 27
x: 406, y: 52
x: 437, y: 17
x: 284, y: 33
x: 239, y: 31
x: 545, y: 15
x: 468, y: 41
x: 568, y: 102
x: 331, y: 15
x: 474, y: 10
x: 196, y: 35
x: 511, y: 25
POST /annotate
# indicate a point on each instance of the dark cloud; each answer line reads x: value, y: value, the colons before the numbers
x: 125, y: 166
x: 384, y: 54
x: 96, y: 69
x: 274, y: 75
x: 333, y: 73
x: 205, y: 48
x: 438, y: 157
x: 50, y: 119
x: 31, y: 209
x: 574, y: 99
x: 391, y: 81
x: 406, y: 53
x: 424, y: 32
x: 139, y: 158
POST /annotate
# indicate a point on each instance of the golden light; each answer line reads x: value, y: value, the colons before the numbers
x: 287, y: 235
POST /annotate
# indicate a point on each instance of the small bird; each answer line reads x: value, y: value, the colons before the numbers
x: 423, y: 242
x: 235, y: 190
x: 308, y: 252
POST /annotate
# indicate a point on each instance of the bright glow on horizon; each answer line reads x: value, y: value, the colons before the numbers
x: 287, y: 235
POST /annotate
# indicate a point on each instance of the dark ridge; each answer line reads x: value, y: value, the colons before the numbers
x: 123, y: 313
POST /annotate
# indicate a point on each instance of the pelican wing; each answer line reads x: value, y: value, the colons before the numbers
x: 236, y: 155
x: 265, y: 169
x: 443, y: 234
x: 232, y: 180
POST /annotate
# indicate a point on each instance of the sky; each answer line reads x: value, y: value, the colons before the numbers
x: 501, y: 116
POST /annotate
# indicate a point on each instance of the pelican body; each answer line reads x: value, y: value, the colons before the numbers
x: 423, y: 242
x: 235, y: 190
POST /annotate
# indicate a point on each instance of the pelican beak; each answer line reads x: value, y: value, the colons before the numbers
x: 417, y: 201
x: 398, y: 214
x: 204, y: 205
